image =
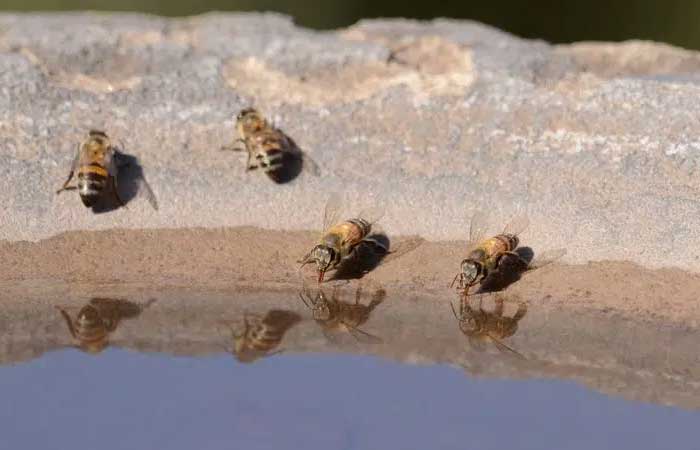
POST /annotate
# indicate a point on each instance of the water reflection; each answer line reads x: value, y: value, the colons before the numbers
x: 334, y: 315
x: 95, y: 321
x: 482, y: 326
x: 261, y: 335
x: 645, y: 360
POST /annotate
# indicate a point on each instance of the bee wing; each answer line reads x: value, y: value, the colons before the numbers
x: 477, y: 228
x: 546, y: 257
x: 371, y: 214
x: 310, y: 164
x: 517, y: 224
x: 148, y: 192
x: 331, y: 213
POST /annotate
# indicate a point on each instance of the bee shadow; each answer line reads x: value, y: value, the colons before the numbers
x: 282, y: 319
x: 294, y: 160
x: 509, y: 271
x: 130, y: 181
x: 368, y: 255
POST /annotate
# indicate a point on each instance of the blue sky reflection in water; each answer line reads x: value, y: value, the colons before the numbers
x: 127, y: 400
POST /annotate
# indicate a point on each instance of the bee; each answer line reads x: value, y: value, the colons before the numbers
x: 487, y: 255
x: 268, y: 148
x: 482, y: 326
x: 261, y: 335
x: 340, y: 239
x: 334, y: 315
x: 98, y: 319
x: 96, y: 165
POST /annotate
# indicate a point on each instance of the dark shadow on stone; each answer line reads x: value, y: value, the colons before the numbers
x: 294, y: 160
x: 510, y: 271
x: 130, y: 181
x: 368, y: 255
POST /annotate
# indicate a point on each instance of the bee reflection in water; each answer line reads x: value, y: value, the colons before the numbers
x: 481, y: 326
x: 261, y: 335
x: 97, y: 320
x: 334, y: 315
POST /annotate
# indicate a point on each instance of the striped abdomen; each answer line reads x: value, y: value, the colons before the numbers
x: 346, y: 235
x: 264, y: 337
x: 92, y: 181
x: 90, y: 329
x: 489, y: 250
x: 269, y: 151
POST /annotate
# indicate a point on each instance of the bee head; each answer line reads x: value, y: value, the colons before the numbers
x: 471, y: 271
x: 89, y: 314
x: 94, y: 348
x: 324, y: 257
x: 321, y: 311
x: 250, y: 120
x: 97, y: 140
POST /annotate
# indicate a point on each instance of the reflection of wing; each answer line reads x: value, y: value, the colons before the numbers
x: 517, y: 224
x: 546, y: 257
x: 477, y: 228
x: 332, y: 211
x: 364, y: 337
x: 504, y: 348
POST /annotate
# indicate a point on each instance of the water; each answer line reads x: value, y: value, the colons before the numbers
x: 409, y: 379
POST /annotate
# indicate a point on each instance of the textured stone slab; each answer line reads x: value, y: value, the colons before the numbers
x: 597, y: 142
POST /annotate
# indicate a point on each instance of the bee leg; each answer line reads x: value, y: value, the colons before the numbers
x: 73, y: 166
x: 69, y: 322
x: 520, y: 313
x: 236, y: 146
x: 66, y: 186
x: 499, y: 307
x: 251, y: 164
x: 358, y: 294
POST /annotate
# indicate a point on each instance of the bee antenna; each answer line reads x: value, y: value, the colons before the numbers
x: 455, y: 280
x: 304, y: 300
x: 97, y: 133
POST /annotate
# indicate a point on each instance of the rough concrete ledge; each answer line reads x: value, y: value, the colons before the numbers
x: 595, y: 141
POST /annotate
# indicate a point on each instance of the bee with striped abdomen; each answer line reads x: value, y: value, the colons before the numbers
x: 98, y: 319
x: 334, y: 315
x: 261, y: 335
x: 340, y: 239
x: 97, y: 168
x: 481, y: 326
x: 268, y: 148
x: 486, y: 255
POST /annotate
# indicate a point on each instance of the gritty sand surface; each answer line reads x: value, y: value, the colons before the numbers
x: 257, y: 258
x: 434, y: 120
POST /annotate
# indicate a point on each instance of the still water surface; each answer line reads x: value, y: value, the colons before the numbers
x: 167, y: 377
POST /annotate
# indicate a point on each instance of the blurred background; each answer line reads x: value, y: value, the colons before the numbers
x: 672, y: 21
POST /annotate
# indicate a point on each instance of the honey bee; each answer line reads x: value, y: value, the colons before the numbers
x: 261, y: 335
x: 334, y: 315
x: 487, y: 255
x: 340, y: 239
x: 97, y: 169
x: 268, y: 148
x: 482, y: 326
x: 98, y: 319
